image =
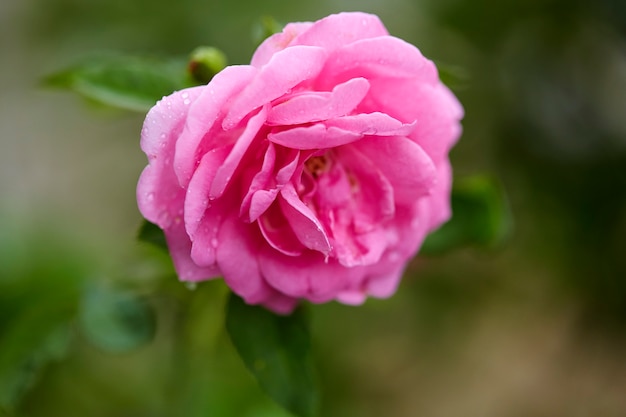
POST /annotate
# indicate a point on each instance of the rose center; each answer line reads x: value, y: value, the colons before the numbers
x: 317, y: 165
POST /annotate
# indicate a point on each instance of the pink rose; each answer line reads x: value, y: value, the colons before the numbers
x: 313, y: 173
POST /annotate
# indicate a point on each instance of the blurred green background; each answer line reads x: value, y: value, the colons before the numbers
x: 534, y: 328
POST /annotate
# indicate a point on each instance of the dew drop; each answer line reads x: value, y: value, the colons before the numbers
x: 214, y: 242
x: 185, y: 95
x: 164, y: 219
x: 186, y: 102
x: 191, y: 286
x: 150, y: 196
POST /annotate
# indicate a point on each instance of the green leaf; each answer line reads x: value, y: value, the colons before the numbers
x: 277, y: 350
x: 126, y: 82
x: 25, y: 355
x: 116, y: 320
x: 152, y: 234
x: 480, y: 217
x: 205, y: 62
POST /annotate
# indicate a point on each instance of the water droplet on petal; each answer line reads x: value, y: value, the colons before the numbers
x: 164, y: 219
x: 185, y: 95
x: 214, y: 242
x: 150, y: 196
x: 186, y: 102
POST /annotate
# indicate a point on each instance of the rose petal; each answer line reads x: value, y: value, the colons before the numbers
x: 372, y: 193
x: 378, y: 124
x: 275, y: 172
x: 227, y: 169
x: 316, y: 136
x: 384, y: 57
x: 340, y: 29
x: 435, y: 109
x: 305, y: 276
x: 179, y: 247
x: 204, y: 111
x: 303, y: 222
x: 316, y: 106
x: 404, y: 163
x: 237, y: 249
x: 277, y: 42
x: 278, y: 233
x: 197, y: 197
x: 284, y: 71
x: 159, y: 196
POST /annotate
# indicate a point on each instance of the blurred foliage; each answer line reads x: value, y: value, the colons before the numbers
x: 127, y: 82
x: 277, y: 350
x: 480, y: 216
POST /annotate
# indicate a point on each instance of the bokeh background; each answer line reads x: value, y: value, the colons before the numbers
x: 535, y: 327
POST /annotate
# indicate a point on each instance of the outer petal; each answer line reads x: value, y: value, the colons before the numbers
x: 440, y: 210
x: 204, y: 111
x: 179, y: 246
x: 158, y: 194
x: 385, y: 56
x: 277, y: 42
x: 284, y: 71
x: 237, y: 249
x: 306, y: 276
x: 341, y: 29
x: 435, y: 109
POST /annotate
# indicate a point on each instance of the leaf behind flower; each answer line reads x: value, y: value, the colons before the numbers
x: 277, y: 350
x: 126, y: 82
x: 480, y: 217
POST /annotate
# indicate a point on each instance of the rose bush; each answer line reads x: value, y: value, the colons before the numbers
x: 313, y: 173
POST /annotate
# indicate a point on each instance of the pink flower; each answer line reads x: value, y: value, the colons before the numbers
x: 313, y: 173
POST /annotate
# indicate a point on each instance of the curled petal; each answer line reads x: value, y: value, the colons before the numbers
x: 284, y: 71
x: 372, y: 124
x: 275, y: 172
x: 316, y: 106
x: 303, y: 222
x: 278, y: 233
x: 197, y: 197
x: 204, y: 111
x: 316, y: 136
x: 227, y: 169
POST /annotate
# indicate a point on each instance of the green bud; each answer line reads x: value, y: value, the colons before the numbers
x: 205, y: 62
